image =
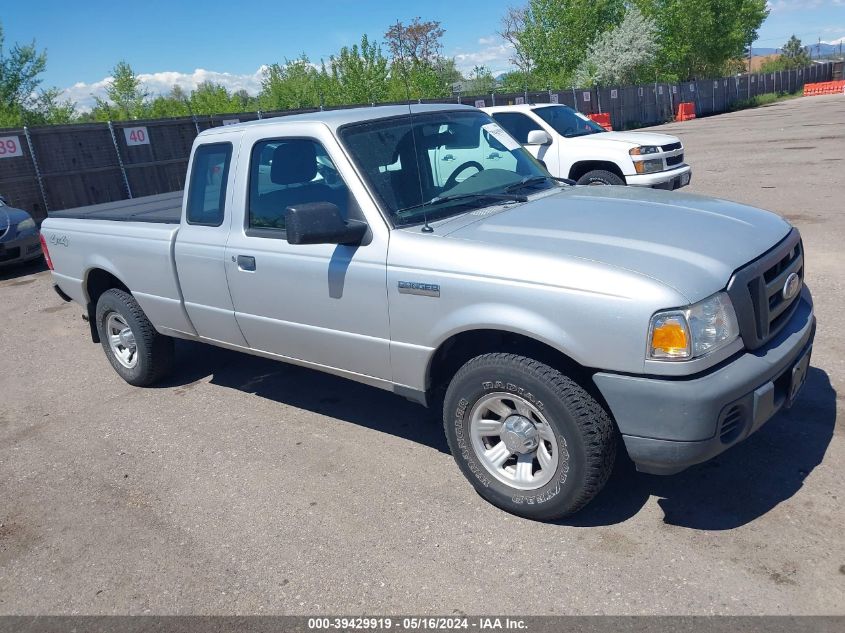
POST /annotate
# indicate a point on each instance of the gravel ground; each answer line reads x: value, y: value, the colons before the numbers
x: 247, y: 486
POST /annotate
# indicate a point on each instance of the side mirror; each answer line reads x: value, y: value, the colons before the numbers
x: 321, y: 223
x: 538, y: 137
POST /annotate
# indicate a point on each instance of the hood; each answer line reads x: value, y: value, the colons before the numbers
x: 10, y: 215
x: 633, y: 138
x: 690, y: 243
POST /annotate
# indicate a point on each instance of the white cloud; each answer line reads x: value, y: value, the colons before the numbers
x: 836, y: 42
x: 162, y: 82
x: 494, y: 53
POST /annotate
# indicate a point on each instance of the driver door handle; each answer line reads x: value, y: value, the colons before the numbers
x: 493, y: 156
x: 246, y: 263
x: 448, y: 157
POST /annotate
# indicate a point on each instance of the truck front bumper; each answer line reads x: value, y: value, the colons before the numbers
x: 671, y: 424
x: 670, y: 179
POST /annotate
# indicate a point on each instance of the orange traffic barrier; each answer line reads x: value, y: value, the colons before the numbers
x: 824, y: 88
x: 685, y: 111
x: 603, y: 119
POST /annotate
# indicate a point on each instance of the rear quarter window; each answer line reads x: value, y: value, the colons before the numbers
x: 207, y: 189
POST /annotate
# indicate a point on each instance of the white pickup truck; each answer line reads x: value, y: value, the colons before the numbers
x: 572, y: 146
x: 544, y: 321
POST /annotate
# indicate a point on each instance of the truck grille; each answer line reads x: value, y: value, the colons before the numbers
x: 671, y: 147
x: 757, y: 291
x: 671, y: 161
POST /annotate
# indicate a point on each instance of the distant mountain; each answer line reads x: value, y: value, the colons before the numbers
x: 827, y: 48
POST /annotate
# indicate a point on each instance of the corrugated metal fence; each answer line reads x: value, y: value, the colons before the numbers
x: 59, y: 167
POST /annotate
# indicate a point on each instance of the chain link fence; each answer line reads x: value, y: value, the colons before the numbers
x: 49, y: 168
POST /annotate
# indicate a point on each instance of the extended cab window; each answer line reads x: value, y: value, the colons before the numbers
x: 517, y: 125
x: 287, y: 172
x: 207, y: 189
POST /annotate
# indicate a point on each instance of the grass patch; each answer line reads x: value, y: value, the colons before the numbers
x: 765, y: 99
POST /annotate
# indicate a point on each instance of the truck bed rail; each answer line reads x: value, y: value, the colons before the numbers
x: 164, y: 208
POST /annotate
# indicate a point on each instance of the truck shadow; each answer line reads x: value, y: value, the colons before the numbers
x: 310, y: 390
x: 729, y: 491
x: 739, y: 485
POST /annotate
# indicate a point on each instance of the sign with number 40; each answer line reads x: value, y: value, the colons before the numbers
x: 136, y: 136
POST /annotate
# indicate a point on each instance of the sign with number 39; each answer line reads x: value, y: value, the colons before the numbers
x: 10, y: 146
x: 136, y: 136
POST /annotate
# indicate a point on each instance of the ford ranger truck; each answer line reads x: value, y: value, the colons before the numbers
x: 547, y: 322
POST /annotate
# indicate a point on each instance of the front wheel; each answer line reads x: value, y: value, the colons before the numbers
x: 600, y: 177
x: 529, y: 439
x: 139, y: 354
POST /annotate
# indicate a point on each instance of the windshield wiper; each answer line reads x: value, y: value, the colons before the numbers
x: 509, y: 197
x: 532, y: 180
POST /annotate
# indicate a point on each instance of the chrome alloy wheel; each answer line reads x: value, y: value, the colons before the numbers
x: 121, y: 340
x: 513, y: 441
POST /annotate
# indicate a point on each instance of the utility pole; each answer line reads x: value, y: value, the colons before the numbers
x: 819, y: 49
x: 750, y: 53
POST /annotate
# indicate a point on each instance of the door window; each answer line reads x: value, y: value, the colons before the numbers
x: 207, y: 189
x: 567, y: 122
x: 287, y: 172
x: 518, y: 125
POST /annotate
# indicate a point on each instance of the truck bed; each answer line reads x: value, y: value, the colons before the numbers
x: 164, y: 208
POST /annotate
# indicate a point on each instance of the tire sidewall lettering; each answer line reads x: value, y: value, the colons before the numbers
x: 461, y: 426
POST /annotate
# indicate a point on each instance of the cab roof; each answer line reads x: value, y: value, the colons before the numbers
x: 337, y: 118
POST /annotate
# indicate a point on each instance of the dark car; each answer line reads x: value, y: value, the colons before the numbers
x: 18, y: 236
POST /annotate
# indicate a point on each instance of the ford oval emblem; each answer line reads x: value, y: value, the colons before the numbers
x: 791, y: 287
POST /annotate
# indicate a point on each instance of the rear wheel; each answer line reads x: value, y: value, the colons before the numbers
x: 600, y: 177
x: 139, y: 354
x: 528, y: 438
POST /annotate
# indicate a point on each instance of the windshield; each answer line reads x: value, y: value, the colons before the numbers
x: 453, y: 161
x: 567, y: 122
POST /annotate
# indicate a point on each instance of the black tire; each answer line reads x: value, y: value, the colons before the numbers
x: 155, y: 352
x: 600, y: 177
x: 585, y: 434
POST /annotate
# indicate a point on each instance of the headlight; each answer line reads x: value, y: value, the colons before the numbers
x: 648, y: 166
x: 26, y: 225
x: 644, y: 149
x: 694, y: 331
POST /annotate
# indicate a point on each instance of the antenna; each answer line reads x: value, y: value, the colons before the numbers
x: 426, y: 227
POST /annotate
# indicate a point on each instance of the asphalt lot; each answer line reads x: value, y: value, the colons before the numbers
x: 248, y: 486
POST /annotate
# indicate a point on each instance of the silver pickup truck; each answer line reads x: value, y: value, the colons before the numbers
x: 546, y: 321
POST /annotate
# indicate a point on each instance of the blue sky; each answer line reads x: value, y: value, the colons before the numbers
x: 187, y: 41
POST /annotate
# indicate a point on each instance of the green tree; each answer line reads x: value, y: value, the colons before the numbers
x: 126, y: 97
x: 361, y: 73
x: 701, y: 38
x: 794, y: 55
x: 480, y: 81
x: 20, y: 70
x: 50, y: 109
x: 417, y: 41
x: 418, y: 70
x: 552, y: 36
x: 624, y: 55
x: 211, y: 98
x: 174, y: 104
x: 292, y: 85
